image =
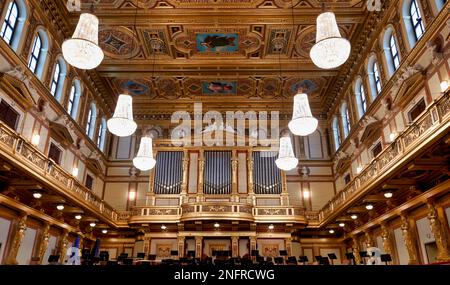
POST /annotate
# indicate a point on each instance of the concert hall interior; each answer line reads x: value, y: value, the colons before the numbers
x: 285, y: 132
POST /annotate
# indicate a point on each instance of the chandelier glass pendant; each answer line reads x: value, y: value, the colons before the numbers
x: 303, y: 123
x: 144, y: 159
x: 122, y: 123
x: 82, y: 50
x: 330, y: 50
x: 286, y: 159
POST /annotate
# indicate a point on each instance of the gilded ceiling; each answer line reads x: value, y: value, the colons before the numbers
x: 235, y: 54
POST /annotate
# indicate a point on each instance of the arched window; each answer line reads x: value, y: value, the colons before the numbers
x: 336, y: 133
x: 412, y: 20
x: 59, y: 75
x: 345, y: 119
x: 74, y: 99
x: 102, y: 135
x: 361, y: 100
x: 374, y: 77
x: 38, y: 53
x: 13, y: 23
x: 90, y: 123
x: 391, y: 53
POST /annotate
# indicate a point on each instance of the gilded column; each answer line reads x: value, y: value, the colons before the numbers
x: 235, y: 246
x: 439, y: 233
x: 355, y: 248
x: 198, y: 247
x: 63, y: 245
x: 147, y: 243
x: 250, y: 172
x: 387, y: 240
x: 409, y: 239
x: 288, y: 246
x: 17, y: 241
x: 44, y: 242
x: 368, y: 239
x: 234, y: 166
x: 152, y: 178
x: 253, y: 243
x: 201, y: 168
x: 181, y: 246
x: 184, y: 184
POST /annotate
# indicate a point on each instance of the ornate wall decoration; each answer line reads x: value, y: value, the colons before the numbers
x: 163, y: 250
x: 118, y: 42
x: 155, y: 42
x: 278, y: 41
x: 270, y: 250
x: 168, y: 88
x: 135, y: 87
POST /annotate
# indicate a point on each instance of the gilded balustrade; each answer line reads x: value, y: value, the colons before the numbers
x: 436, y: 115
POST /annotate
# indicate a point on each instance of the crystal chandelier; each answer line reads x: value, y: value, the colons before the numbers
x: 303, y: 123
x: 122, y: 123
x: 330, y: 50
x: 82, y: 50
x: 286, y: 160
x: 144, y: 159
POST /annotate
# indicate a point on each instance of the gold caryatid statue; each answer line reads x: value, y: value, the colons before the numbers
x: 17, y: 241
x: 355, y: 248
x: 410, y: 241
x: 386, y: 238
x: 44, y: 242
x: 439, y: 233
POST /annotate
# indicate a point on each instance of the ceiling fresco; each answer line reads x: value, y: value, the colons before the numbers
x: 223, y: 53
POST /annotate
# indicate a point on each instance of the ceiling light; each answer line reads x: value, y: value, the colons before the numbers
x: 132, y: 195
x: 444, y: 86
x: 82, y: 50
x: 271, y: 227
x: 144, y: 159
x: 303, y: 123
x: 306, y: 194
x: 369, y: 207
x: 37, y: 195
x: 35, y: 139
x: 331, y: 231
x: 286, y: 159
x: 92, y: 224
x: 163, y: 227
x: 217, y: 225
x: 60, y: 207
x: 330, y: 50
x: 105, y: 231
x: 78, y: 217
x: 392, y: 136
x: 354, y: 217
x: 122, y: 123
x: 388, y: 194
x: 341, y: 225
x: 75, y: 171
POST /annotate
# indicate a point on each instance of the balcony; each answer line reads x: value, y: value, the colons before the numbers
x: 432, y: 124
x: 23, y: 155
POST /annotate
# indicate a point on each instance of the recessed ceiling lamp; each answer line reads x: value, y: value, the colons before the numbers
x: 354, y: 217
x: 341, y: 225
x: 330, y: 50
x: 144, y: 159
x: 444, y: 86
x: 82, y: 50
x: 60, y: 207
x: 163, y: 227
x: 75, y: 171
x: 132, y: 195
x: 35, y: 139
x: 78, y: 217
x: 122, y: 123
x: 369, y: 207
x: 271, y: 227
x: 37, y: 195
x: 217, y: 225
x: 105, y: 231
x: 303, y: 123
x: 388, y: 194
x: 331, y: 231
x: 286, y: 159
x: 92, y: 224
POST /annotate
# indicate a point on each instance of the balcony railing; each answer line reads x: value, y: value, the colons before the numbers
x: 32, y: 160
x: 435, y: 117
